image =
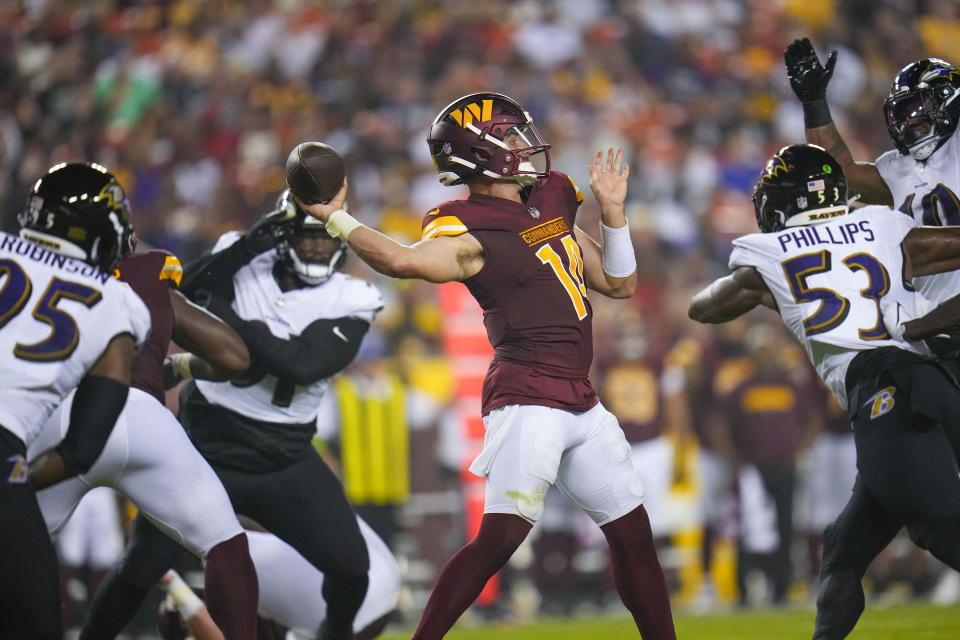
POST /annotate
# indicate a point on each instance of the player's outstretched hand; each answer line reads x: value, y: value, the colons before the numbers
x: 322, y: 211
x: 808, y: 78
x: 268, y: 231
x: 608, y: 181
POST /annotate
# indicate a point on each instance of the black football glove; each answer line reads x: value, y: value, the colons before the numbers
x: 808, y: 78
x: 270, y: 229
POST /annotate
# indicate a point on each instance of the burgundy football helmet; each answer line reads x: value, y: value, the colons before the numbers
x: 923, y: 106
x: 487, y: 134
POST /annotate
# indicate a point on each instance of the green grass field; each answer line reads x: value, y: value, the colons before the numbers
x: 902, y: 622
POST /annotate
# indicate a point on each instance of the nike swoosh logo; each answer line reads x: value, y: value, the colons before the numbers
x: 339, y: 334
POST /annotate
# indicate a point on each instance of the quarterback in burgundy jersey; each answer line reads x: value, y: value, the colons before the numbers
x: 515, y: 245
x: 538, y: 319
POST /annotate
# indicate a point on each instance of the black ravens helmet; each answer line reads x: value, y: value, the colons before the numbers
x: 801, y: 184
x: 923, y: 106
x: 79, y: 210
x: 310, y: 271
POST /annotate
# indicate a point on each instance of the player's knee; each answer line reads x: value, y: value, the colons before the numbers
x: 829, y: 544
x: 350, y: 565
x: 942, y: 539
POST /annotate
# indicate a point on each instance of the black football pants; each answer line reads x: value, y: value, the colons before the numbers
x: 906, y: 422
x: 29, y: 577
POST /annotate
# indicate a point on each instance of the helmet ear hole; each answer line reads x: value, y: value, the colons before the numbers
x: 481, y: 155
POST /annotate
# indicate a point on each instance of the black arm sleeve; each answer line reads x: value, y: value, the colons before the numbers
x: 214, y: 272
x: 96, y: 407
x: 324, y: 348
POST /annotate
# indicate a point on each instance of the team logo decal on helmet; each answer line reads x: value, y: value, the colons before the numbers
x: 774, y: 166
x: 801, y: 184
x: 482, y: 113
x: 80, y: 210
x: 490, y: 135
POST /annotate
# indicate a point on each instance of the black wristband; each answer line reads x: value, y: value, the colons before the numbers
x: 816, y: 113
x: 96, y: 407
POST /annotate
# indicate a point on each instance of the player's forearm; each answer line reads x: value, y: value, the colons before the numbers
x: 863, y: 178
x: 943, y: 319
x: 382, y: 253
x: 828, y: 137
x: 722, y: 301
x: 322, y: 350
x: 207, y: 336
x: 931, y: 250
x: 191, y: 609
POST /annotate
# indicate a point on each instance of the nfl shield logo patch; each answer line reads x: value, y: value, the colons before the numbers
x: 534, y: 212
x: 802, y: 202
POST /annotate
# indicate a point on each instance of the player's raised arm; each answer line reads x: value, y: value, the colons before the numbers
x: 730, y: 297
x: 930, y: 250
x: 610, y: 268
x: 442, y: 259
x: 809, y: 79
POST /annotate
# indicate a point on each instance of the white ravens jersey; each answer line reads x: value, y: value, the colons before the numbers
x: 57, y: 315
x: 828, y: 280
x: 286, y: 313
x: 929, y: 192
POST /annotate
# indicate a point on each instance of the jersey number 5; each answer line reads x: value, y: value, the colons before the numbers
x: 571, y: 277
x: 64, y: 334
x: 833, y: 307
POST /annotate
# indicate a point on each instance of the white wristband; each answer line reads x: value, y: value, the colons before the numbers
x: 340, y: 224
x: 617, y: 256
x: 181, y: 365
x: 186, y: 601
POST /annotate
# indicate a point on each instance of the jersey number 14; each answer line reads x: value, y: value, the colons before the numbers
x: 571, y: 274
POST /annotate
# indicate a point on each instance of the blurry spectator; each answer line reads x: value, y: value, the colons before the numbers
x: 827, y: 474
x: 765, y: 422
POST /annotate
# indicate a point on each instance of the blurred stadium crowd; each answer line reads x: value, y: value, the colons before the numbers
x: 194, y: 105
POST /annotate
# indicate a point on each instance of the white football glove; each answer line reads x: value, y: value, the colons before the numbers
x: 894, y: 315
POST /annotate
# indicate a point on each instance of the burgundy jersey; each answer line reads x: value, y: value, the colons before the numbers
x: 631, y: 391
x: 767, y: 414
x: 532, y: 292
x: 151, y: 274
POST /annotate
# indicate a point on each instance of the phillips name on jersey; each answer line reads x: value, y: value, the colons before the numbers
x: 828, y: 279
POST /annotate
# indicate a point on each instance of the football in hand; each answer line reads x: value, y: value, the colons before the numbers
x: 315, y: 172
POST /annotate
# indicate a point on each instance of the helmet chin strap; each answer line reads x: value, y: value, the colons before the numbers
x: 925, y: 147
x: 313, y: 274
